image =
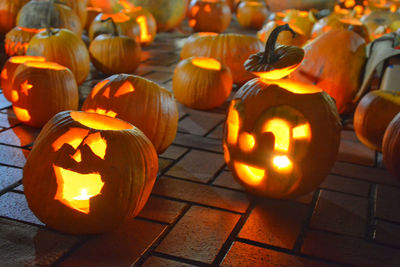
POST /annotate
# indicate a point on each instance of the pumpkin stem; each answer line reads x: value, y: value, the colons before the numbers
x: 114, y: 26
x: 48, y: 23
x: 269, y: 56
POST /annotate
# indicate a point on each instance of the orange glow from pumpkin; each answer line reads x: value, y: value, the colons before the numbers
x: 233, y: 126
x: 101, y: 111
x: 281, y: 130
x: 26, y: 87
x: 246, y: 142
x: 125, y: 88
x: 207, y: 8
x: 77, y: 156
x: 99, y: 122
x: 248, y: 174
x: 116, y: 17
x: 73, y: 137
x: 127, y: 7
x: 227, y: 156
x: 302, y: 131
x: 4, y: 74
x: 23, y: 59
x: 194, y: 10
x: 97, y: 88
x: 97, y: 144
x: 293, y: 86
x: 144, y: 32
x: 107, y: 92
x: 75, y: 189
x: 206, y: 63
x: 14, y: 96
x: 22, y: 114
x: 192, y: 23
x: 276, y: 74
x: 45, y: 65
x: 206, y: 34
x: 282, y: 163
x: 349, y: 3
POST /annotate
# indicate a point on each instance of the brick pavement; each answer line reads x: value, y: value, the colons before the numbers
x: 198, y: 215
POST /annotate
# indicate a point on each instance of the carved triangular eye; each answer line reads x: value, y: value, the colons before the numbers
x: 73, y: 137
x: 107, y: 92
x: 97, y: 88
x: 125, y: 88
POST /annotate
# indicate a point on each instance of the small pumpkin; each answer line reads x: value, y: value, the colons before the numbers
x: 8, y: 13
x: 87, y: 173
x: 201, y: 83
x: 16, y: 41
x: 8, y: 71
x: 63, y: 47
x: 146, y: 21
x: 112, y: 53
x: 209, y: 15
x: 139, y: 101
x: 42, y: 14
x: 230, y: 49
x: 373, y: 114
x: 42, y: 89
x: 334, y: 62
x: 391, y: 146
x: 275, y: 137
x: 252, y: 14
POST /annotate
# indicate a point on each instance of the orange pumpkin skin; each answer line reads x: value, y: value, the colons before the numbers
x: 147, y: 23
x: 209, y: 16
x: 285, y: 38
x: 35, y: 15
x: 65, y: 48
x: 230, y: 49
x: 373, y: 114
x: 8, y: 13
x: 110, y: 54
x: 92, y: 13
x: 252, y: 14
x: 139, y: 101
x: 201, y: 87
x: 391, y: 146
x: 42, y: 89
x: 127, y: 167
x: 334, y: 68
x: 79, y: 7
x: 17, y: 40
x: 262, y: 112
x: 8, y: 71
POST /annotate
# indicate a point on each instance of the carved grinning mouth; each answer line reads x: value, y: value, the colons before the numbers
x: 249, y: 174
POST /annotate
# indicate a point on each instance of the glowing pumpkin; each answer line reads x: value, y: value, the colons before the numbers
x: 87, y: 173
x: 8, y: 71
x: 201, y: 83
x: 17, y: 40
x: 139, y: 101
x: 252, y: 14
x: 209, y: 15
x: 42, y: 89
x: 281, y: 137
x: 146, y: 22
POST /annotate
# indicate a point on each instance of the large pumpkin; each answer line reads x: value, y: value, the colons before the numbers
x: 8, y: 13
x: 42, y: 89
x: 87, y: 173
x: 230, y: 49
x: 391, y: 146
x: 168, y: 13
x: 139, y: 101
x: 334, y: 62
x: 281, y: 137
x: 64, y: 47
x: 373, y: 114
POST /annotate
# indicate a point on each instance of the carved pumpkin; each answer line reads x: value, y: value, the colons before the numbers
x: 168, y: 13
x: 8, y: 13
x: 252, y: 14
x: 146, y: 21
x: 334, y: 68
x: 281, y: 137
x: 111, y: 52
x: 42, y: 89
x: 42, y: 14
x: 139, y: 101
x: 65, y: 48
x: 391, y: 146
x: 8, y: 71
x: 209, y: 15
x: 87, y: 173
x: 230, y: 49
x: 373, y: 114
x: 17, y: 40
x: 201, y: 83
x: 125, y: 25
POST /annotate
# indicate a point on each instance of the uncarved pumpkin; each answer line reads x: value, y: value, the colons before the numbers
x: 88, y: 173
x: 391, y: 146
x: 8, y: 13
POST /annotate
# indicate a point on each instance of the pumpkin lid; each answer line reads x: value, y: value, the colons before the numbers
x: 275, y: 62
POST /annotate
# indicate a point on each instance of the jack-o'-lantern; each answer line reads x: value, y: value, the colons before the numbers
x: 17, y: 40
x: 42, y: 89
x: 281, y: 137
x: 201, y: 83
x: 209, y: 15
x: 252, y: 14
x: 139, y: 101
x: 391, y: 146
x: 111, y: 52
x: 87, y: 173
x: 8, y: 71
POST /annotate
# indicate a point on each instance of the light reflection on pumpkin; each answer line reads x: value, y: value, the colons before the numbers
x: 206, y: 63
